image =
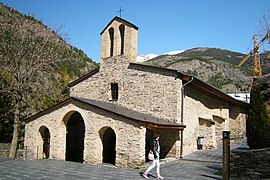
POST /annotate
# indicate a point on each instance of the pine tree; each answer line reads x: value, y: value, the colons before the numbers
x: 258, y: 124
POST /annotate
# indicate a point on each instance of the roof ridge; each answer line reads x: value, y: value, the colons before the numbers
x: 121, y: 20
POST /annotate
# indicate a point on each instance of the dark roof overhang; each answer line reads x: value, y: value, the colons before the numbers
x: 215, y: 93
x: 146, y: 120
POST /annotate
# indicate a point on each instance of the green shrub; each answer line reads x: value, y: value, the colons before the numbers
x: 258, y: 123
x: 219, y: 80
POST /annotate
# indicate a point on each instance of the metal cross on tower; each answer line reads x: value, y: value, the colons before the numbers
x: 120, y: 11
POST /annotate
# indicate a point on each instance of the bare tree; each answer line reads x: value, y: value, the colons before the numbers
x: 264, y: 29
x: 265, y: 25
x: 28, y: 53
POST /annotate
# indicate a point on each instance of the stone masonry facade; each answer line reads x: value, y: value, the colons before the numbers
x: 171, y: 98
x: 147, y: 92
x: 129, y: 134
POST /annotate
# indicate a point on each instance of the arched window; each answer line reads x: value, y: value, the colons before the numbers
x: 111, y: 32
x: 122, y: 35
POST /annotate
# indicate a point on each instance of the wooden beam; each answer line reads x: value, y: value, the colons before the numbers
x: 158, y: 126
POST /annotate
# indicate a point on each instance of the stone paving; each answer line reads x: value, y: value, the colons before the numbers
x: 202, y: 164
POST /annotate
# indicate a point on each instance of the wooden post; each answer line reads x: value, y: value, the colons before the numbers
x: 37, y: 152
x: 226, y: 156
x: 25, y: 152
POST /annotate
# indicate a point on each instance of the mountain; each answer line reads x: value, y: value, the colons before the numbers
x: 24, y: 35
x: 174, y: 52
x: 37, y: 65
x: 82, y: 63
x: 147, y: 57
x: 217, y: 67
x: 142, y: 58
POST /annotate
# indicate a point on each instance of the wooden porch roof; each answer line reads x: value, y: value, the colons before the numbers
x: 148, y: 121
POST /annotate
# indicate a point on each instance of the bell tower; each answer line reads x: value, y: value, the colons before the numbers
x: 119, y: 37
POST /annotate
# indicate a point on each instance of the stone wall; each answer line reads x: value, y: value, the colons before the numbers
x: 154, y: 93
x: 4, y: 150
x: 237, y: 122
x: 130, y: 135
x: 207, y: 131
x: 198, y: 105
x: 250, y: 164
x: 219, y: 127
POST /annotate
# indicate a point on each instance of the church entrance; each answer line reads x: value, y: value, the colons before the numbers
x: 109, y: 142
x: 148, y: 142
x: 45, y: 134
x: 75, y: 138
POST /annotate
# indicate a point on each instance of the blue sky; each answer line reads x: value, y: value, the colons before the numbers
x: 163, y: 25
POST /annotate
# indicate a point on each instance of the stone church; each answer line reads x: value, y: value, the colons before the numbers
x: 114, y: 110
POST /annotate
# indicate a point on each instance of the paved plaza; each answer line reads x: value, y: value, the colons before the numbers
x: 202, y: 164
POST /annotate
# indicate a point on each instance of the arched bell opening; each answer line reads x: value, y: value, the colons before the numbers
x: 122, y: 35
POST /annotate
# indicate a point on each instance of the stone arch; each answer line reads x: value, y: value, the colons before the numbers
x: 45, y: 135
x: 108, y: 138
x: 122, y: 35
x: 75, y: 133
x: 111, y: 32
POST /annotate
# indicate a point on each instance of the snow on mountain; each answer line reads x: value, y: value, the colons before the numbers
x: 147, y: 57
x: 174, y: 52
